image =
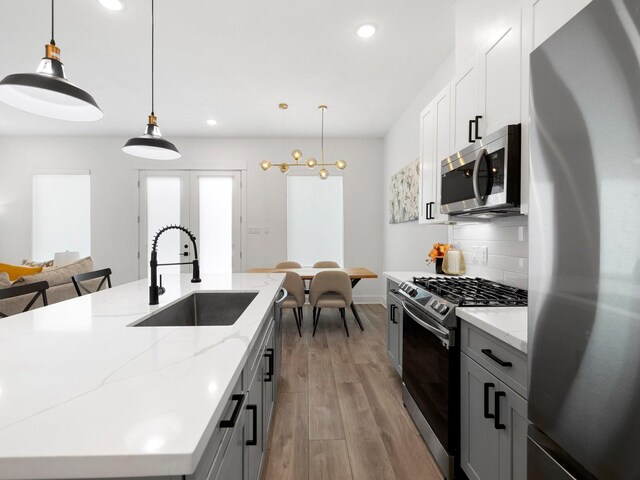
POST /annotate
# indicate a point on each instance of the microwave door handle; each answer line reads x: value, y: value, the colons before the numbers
x: 444, y: 336
x: 476, y: 183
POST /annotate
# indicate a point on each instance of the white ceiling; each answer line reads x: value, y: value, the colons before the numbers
x: 232, y: 60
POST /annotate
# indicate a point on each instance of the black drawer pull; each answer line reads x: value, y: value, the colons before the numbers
x: 499, y: 361
x: 496, y: 399
x: 236, y: 397
x: 487, y: 386
x: 269, y: 355
x: 254, y: 408
x: 393, y: 313
x: 478, y: 117
x: 471, y: 140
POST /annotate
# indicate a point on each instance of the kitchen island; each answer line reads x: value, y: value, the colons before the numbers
x: 83, y: 394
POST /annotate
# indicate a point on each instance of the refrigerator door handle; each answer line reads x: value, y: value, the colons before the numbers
x: 496, y: 400
x: 487, y: 386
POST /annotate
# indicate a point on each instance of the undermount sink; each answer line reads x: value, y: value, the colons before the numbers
x: 201, y: 309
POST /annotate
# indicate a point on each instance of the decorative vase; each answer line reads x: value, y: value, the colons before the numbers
x: 439, y: 265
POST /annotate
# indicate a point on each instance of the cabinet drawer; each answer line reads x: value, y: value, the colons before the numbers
x: 504, y: 361
x: 217, y: 445
x: 255, y: 356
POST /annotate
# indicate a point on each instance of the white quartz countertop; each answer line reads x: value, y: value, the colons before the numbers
x: 508, y: 324
x: 83, y: 395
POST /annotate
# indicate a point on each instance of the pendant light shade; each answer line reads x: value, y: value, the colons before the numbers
x: 48, y: 92
x: 151, y: 144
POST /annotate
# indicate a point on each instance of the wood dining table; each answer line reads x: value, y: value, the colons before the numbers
x: 355, y: 274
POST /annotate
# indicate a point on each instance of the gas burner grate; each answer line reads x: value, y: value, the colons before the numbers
x: 474, y: 291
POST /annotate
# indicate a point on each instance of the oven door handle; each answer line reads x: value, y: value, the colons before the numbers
x: 481, y: 199
x: 442, y: 335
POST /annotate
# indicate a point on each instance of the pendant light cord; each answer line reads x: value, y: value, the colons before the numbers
x: 52, y: 42
x: 322, y: 138
x: 152, y: 57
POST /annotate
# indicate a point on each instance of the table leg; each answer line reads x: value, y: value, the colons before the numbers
x: 354, y: 281
x: 355, y: 314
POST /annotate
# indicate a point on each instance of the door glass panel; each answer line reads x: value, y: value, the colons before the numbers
x: 163, y: 208
x: 216, y: 224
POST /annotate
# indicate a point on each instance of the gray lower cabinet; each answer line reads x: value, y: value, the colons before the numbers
x: 493, y: 426
x: 394, y: 326
x: 237, y: 446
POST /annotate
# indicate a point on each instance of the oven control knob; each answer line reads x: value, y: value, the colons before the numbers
x: 433, y: 303
x: 443, y: 309
x: 413, y: 292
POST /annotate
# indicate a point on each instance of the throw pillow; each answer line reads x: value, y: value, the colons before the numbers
x: 5, y: 282
x: 60, y: 275
x: 17, y: 271
x: 31, y: 263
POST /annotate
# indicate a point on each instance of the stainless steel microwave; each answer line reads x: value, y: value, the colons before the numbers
x: 483, y: 180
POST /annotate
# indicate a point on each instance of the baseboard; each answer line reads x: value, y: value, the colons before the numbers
x: 376, y: 299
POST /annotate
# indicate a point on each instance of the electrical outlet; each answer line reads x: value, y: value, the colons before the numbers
x: 474, y: 250
x: 483, y: 254
x: 253, y: 230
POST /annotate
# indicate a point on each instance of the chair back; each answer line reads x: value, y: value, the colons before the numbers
x: 39, y: 288
x: 105, y: 274
x: 330, y: 281
x: 288, y: 264
x: 295, y: 286
x: 326, y: 264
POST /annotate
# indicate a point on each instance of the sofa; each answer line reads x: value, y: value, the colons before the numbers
x: 60, y: 286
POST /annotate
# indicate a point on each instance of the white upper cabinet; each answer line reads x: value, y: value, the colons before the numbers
x: 549, y: 15
x: 465, y: 106
x: 435, y: 145
x: 501, y: 78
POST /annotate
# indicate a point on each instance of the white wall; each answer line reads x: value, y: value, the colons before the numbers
x: 114, y: 207
x: 507, y: 245
x: 406, y: 244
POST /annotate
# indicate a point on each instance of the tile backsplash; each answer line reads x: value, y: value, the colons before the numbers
x: 506, y: 240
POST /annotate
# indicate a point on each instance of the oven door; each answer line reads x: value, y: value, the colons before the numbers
x: 430, y: 373
x: 475, y: 181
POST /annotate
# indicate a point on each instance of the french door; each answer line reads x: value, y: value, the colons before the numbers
x: 208, y: 203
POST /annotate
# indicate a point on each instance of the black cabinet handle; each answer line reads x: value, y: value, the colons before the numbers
x: 254, y: 408
x: 496, y: 400
x: 269, y: 355
x: 487, y: 386
x: 236, y: 397
x: 393, y: 313
x: 430, y: 210
x: 478, y: 117
x: 471, y: 140
x: 499, y: 361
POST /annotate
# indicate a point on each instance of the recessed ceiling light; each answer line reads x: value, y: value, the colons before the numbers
x: 115, y: 5
x: 367, y: 30
x: 211, y: 122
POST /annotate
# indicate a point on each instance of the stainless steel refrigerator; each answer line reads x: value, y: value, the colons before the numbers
x: 584, y: 286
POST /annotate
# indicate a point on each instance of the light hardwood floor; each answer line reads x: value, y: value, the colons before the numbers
x: 339, y: 413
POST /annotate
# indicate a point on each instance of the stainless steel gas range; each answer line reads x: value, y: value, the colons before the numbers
x: 431, y: 355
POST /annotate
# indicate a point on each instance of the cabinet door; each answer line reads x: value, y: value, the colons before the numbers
x: 231, y: 467
x: 500, y: 79
x: 442, y: 146
x: 513, y: 438
x: 465, y: 105
x: 393, y: 334
x: 269, y: 384
x: 254, y: 426
x: 427, y: 146
x: 480, y: 441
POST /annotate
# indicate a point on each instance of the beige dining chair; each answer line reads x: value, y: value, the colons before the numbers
x: 330, y: 289
x: 288, y: 264
x: 326, y: 264
x: 294, y: 286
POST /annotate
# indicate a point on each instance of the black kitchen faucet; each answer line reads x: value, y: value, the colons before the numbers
x: 154, y: 290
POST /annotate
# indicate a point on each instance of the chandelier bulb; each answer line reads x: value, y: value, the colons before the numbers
x: 312, y: 162
x: 324, y: 174
x: 341, y: 164
x: 284, y: 168
x: 265, y: 165
x: 296, y: 154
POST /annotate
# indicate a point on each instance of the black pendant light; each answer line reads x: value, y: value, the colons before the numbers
x: 48, y: 92
x: 151, y: 144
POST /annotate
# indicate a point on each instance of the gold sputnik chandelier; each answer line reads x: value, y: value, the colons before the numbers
x: 297, y: 154
x: 340, y: 164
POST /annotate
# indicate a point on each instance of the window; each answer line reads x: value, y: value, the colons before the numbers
x: 315, y: 225
x: 61, y: 214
